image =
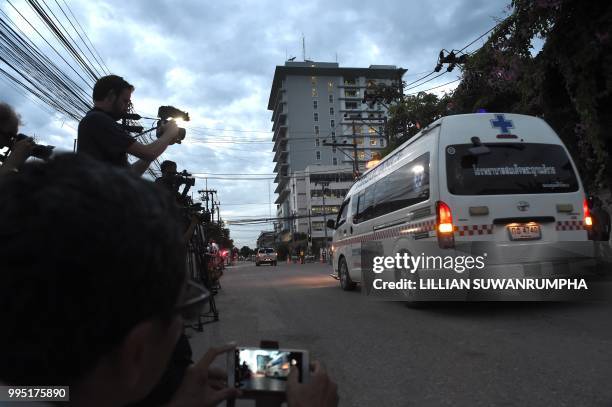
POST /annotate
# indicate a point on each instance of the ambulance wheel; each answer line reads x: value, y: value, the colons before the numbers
x: 345, y: 280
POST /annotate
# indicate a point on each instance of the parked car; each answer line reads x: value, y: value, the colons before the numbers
x: 266, y: 255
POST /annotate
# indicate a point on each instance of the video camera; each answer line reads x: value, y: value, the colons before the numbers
x: 39, y: 151
x: 184, y: 178
x: 166, y: 113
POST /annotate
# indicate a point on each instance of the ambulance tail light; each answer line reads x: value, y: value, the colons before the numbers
x: 588, y: 221
x: 444, y: 225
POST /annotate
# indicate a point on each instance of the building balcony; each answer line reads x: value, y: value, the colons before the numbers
x: 281, y: 179
x: 280, y: 131
x: 281, y: 165
x: 281, y: 110
x: 282, y: 195
x: 280, y: 155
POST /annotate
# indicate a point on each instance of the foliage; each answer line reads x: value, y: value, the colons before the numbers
x: 568, y: 83
x: 246, y: 251
x: 216, y: 231
x: 282, y: 251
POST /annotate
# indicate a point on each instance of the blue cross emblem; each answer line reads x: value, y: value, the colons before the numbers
x: 501, y: 122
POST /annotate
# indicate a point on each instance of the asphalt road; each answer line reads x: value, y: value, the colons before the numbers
x: 445, y: 354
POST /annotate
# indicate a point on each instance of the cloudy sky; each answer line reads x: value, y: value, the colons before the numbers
x: 216, y: 60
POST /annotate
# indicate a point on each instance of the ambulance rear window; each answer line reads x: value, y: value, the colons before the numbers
x: 509, y: 168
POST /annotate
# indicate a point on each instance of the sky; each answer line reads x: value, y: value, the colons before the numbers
x: 216, y: 60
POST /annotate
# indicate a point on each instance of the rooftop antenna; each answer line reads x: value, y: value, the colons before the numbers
x: 303, y: 47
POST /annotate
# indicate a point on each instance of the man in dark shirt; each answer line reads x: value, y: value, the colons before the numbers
x: 101, y: 137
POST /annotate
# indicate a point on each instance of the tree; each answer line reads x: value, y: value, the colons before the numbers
x: 410, y: 114
x: 246, y: 251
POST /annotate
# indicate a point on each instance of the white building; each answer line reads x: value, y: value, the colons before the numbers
x: 313, y: 104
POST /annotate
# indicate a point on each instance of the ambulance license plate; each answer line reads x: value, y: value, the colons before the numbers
x: 525, y: 232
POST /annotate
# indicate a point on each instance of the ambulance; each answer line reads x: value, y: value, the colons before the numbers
x: 503, y: 184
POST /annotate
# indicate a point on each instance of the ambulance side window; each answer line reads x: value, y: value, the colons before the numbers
x: 355, y: 209
x: 366, y: 207
x: 342, y: 213
x: 406, y: 186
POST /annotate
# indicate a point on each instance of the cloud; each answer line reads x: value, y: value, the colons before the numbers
x: 216, y: 60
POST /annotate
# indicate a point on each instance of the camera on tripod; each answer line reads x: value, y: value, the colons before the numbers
x: 39, y: 151
x: 166, y: 113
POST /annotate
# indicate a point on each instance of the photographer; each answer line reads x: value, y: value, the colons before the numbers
x: 99, y: 314
x: 19, y: 150
x: 104, y: 139
x: 171, y: 181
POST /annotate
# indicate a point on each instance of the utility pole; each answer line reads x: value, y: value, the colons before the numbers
x: 309, y: 228
x: 324, y: 184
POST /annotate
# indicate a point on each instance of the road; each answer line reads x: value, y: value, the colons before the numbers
x: 444, y: 354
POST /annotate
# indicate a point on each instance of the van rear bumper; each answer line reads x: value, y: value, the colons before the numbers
x: 528, y: 259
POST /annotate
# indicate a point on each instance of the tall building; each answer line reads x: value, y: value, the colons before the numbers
x: 313, y: 104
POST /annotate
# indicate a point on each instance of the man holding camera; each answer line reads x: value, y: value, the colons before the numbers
x: 20, y: 150
x: 101, y: 137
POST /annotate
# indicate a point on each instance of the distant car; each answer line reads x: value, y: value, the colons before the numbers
x: 266, y: 255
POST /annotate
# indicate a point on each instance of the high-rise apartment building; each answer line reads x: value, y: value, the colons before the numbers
x: 313, y: 104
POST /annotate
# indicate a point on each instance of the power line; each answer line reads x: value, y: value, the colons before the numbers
x: 435, y: 87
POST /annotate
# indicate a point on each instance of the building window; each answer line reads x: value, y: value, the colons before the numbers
x: 372, y: 141
x: 359, y: 141
x: 333, y: 134
x: 382, y: 142
x: 314, y: 92
x: 371, y: 131
x: 318, y: 155
x: 317, y: 143
x: 351, y: 105
x: 350, y: 81
x: 315, y: 104
x: 334, y: 161
x: 331, y: 98
x: 330, y: 86
x: 331, y: 111
x: 361, y: 155
x: 332, y: 123
x: 316, y: 130
x: 380, y: 130
x: 351, y: 93
x: 316, y: 117
x: 313, y: 80
x: 334, y: 150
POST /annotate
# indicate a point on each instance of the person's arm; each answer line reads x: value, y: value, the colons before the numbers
x: 140, y: 166
x: 149, y: 152
x: 18, y: 155
x: 204, y: 386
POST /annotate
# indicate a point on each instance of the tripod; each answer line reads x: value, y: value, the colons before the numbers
x: 199, y: 269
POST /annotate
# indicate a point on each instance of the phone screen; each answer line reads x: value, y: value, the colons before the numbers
x: 266, y: 369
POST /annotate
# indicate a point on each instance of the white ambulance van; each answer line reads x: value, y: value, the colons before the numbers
x: 502, y: 181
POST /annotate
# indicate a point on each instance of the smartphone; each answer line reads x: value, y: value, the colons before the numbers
x: 257, y: 369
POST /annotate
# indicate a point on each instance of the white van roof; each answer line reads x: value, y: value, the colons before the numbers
x: 496, y: 127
